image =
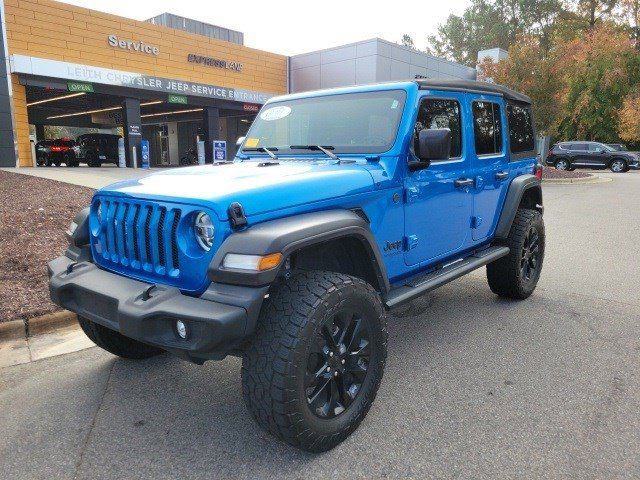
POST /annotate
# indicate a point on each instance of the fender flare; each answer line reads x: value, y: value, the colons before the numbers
x: 516, y: 191
x: 289, y: 234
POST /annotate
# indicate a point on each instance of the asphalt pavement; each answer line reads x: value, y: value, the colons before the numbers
x: 475, y: 386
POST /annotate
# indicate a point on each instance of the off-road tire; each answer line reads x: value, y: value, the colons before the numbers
x: 505, y: 275
x: 274, y: 363
x: 115, y: 343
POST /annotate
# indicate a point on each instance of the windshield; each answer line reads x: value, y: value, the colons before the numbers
x: 349, y: 123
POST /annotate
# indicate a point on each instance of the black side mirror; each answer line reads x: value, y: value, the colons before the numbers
x: 434, y: 144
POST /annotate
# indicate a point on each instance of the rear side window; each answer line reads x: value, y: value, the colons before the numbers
x: 521, y: 134
x: 441, y: 113
x: 579, y: 146
x: 487, y: 128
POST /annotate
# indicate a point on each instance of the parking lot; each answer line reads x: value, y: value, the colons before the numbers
x: 475, y: 386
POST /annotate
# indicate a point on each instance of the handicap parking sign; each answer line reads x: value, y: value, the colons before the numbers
x: 219, y: 151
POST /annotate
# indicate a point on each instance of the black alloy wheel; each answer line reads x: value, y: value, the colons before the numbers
x: 530, y: 259
x: 337, y: 367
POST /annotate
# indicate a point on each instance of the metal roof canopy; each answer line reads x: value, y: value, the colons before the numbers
x: 473, y: 86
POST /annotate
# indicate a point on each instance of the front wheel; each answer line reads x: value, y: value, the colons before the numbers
x: 618, y: 166
x: 314, y: 365
x: 516, y: 275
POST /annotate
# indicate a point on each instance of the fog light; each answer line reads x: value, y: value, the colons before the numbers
x: 181, y: 328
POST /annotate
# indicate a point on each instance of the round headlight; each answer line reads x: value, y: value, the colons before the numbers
x: 204, y: 230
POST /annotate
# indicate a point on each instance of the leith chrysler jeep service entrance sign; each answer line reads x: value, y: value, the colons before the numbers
x: 97, y: 75
x: 134, y: 46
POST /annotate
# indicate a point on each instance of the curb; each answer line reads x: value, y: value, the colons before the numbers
x: 50, y: 322
x: 576, y: 181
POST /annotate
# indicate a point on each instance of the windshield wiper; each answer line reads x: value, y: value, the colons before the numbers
x: 268, y: 150
x: 324, y: 149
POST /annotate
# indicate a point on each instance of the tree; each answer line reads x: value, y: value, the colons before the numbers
x: 629, y: 119
x: 597, y: 73
x: 493, y: 23
x: 528, y: 71
x: 631, y: 12
x: 407, y: 41
x: 595, y: 10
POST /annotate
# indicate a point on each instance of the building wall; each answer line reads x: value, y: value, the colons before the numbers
x: 369, y: 61
x: 57, y: 31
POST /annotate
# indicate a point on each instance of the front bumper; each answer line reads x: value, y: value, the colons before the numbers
x: 217, y: 322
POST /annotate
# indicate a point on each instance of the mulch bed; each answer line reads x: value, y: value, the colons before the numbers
x: 552, y: 173
x: 34, y: 214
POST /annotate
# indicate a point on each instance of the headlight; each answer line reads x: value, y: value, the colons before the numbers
x: 204, y: 230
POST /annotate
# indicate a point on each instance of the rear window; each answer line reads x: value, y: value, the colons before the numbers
x: 487, y: 128
x: 521, y: 133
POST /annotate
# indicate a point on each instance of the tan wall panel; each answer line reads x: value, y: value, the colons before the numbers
x: 39, y: 28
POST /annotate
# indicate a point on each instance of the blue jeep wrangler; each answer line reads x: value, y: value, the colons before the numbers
x: 340, y: 205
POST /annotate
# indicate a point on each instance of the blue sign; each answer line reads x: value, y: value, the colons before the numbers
x: 219, y: 150
x: 144, y: 152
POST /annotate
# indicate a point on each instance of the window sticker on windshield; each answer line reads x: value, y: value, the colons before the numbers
x: 251, y: 142
x: 394, y: 104
x: 275, y: 113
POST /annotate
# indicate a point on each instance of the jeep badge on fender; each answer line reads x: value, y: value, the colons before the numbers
x: 283, y: 257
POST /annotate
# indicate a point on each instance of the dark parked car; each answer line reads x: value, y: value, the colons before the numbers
x: 572, y: 155
x: 98, y: 148
x: 57, y: 152
x: 619, y: 147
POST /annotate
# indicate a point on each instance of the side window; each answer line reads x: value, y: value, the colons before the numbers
x: 596, y: 147
x: 441, y: 113
x: 521, y: 136
x: 487, y: 128
x: 582, y: 147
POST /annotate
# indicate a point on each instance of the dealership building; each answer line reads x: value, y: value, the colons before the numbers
x: 169, y: 80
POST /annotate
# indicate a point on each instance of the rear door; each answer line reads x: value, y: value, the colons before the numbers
x: 488, y: 162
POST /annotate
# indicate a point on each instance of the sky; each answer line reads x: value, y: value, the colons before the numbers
x: 292, y: 27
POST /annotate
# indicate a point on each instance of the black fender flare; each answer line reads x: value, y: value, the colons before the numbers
x: 519, y: 186
x: 289, y: 234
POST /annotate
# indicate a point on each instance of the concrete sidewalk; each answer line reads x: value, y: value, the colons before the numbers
x: 85, y: 176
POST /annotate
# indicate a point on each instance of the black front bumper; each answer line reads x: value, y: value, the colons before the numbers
x: 217, y: 322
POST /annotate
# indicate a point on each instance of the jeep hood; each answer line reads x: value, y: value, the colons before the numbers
x: 259, y: 187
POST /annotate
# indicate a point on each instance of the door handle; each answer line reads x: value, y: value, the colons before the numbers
x: 502, y: 175
x: 463, y: 182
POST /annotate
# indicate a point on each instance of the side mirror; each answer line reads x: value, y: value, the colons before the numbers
x: 434, y: 144
x: 240, y: 141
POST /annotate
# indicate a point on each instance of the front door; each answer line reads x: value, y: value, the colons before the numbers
x: 438, y: 208
x: 489, y: 163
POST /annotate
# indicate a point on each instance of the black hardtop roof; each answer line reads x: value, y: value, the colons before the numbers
x: 473, y: 86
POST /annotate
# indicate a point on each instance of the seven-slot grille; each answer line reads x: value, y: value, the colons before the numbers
x: 140, y: 236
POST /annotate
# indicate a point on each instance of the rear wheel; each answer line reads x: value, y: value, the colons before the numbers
x: 115, y: 343
x: 516, y: 275
x: 316, y: 360
x: 562, y: 164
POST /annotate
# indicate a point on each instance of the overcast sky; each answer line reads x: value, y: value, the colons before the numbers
x: 296, y: 27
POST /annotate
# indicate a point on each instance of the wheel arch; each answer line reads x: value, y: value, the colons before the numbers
x: 300, y: 238
x: 524, y: 191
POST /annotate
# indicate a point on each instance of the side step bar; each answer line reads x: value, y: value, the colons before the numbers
x: 441, y: 276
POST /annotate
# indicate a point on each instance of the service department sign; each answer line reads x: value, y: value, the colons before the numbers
x: 97, y: 75
x: 132, y: 46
